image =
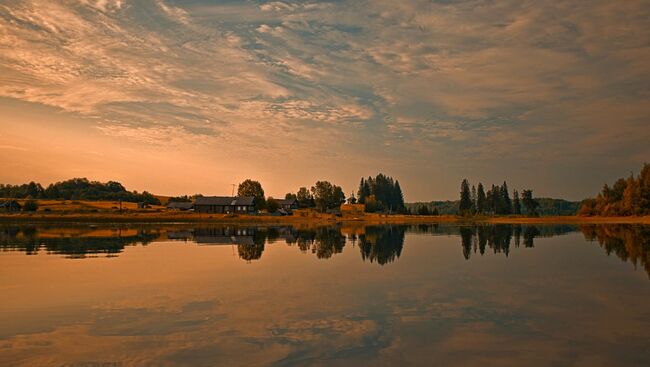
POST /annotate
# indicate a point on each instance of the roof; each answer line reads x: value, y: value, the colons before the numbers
x: 287, y: 201
x: 225, y: 200
x: 180, y: 205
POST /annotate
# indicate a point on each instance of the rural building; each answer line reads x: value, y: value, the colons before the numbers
x: 225, y: 204
x: 178, y: 205
x: 10, y: 206
x: 288, y: 205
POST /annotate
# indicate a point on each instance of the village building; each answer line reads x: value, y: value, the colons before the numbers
x: 288, y: 205
x: 225, y: 204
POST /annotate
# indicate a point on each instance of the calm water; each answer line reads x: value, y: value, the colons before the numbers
x: 383, y: 296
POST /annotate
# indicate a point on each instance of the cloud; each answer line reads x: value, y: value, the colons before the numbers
x: 421, y: 77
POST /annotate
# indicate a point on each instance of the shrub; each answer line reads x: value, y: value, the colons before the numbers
x: 30, y: 206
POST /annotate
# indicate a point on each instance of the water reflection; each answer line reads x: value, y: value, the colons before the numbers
x: 381, y: 244
x: 73, y: 243
x: 628, y: 242
x: 388, y: 295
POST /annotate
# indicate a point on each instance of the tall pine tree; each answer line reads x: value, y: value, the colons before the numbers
x: 465, y: 206
x: 480, y: 199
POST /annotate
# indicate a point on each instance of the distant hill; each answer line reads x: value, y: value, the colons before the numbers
x: 547, y: 206
x: 77, y: 189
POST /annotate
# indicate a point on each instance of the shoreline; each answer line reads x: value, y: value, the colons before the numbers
x: 368, y: 219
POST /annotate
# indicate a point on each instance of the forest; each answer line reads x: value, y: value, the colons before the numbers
x: 628, y: 196
x: 381, y: 194
x: 77, y: 189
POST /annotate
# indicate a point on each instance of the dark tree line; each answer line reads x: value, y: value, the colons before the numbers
x: 496, y: 201
x: 77, y: 189
x: 629, y: 196
x: 381, y: 194
x: 323, y: 196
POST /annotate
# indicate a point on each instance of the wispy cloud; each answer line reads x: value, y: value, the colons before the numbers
x: 421, y: 77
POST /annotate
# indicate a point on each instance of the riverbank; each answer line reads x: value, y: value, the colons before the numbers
x: 312, y: 218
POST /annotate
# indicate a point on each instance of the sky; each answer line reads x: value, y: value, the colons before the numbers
x: 183, y: 97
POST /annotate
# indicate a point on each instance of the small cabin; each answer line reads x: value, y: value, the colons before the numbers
x: 288, y: 205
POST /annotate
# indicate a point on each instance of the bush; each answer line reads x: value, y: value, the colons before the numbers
x: 272, y: 205
x: 30, y: 206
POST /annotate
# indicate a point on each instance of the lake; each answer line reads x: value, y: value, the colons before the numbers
x: 421, y: 295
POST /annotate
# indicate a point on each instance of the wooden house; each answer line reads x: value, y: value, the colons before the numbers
x: 288, y: 205
x: 225, y: 205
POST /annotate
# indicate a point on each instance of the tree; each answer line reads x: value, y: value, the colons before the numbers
x: 386, y: 191
x: 327, y: 196
x: 530, y: 203
x: 474, y: 199
x: 290, y: 196
x: 465, y: 205
x: 254, y: 189
x: 364, y: 191
x: 629, y: 196
x: 506, y: 203
x: 30, y: 205
x: 516, y: 204
x: 305, y: 200
x: 423, y: 210
x: 372, y: 205
x: 272, y: 205
x: 480, y: 199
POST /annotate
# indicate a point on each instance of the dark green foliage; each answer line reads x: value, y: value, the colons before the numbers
x: 272, y: 205
x: 386, y: 191
x: 77, y: 189
x: 254, y: 189
x: 505, y: 202
x: 465, y: 205
x: 290, y: 196
x: 423, y: 210
x: 629, y: 196
x: 327, y: 196
x: 481, y: 199
x: 529, y: 203
x: 305, y: 199
x: 30, y: 205
x: 516, y: 204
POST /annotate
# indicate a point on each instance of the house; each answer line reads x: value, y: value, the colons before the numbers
x: 178, y: 205
x: 10, y: 206
x: 225, y: 204
x: 288, y: 205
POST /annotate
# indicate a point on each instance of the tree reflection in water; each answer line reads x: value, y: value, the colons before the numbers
x: 31, y: 240
x: 380, y: 244
x: 324, y: 242
x: 628, y: 242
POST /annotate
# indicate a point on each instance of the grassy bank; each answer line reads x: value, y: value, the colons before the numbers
x: 60, y: 211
